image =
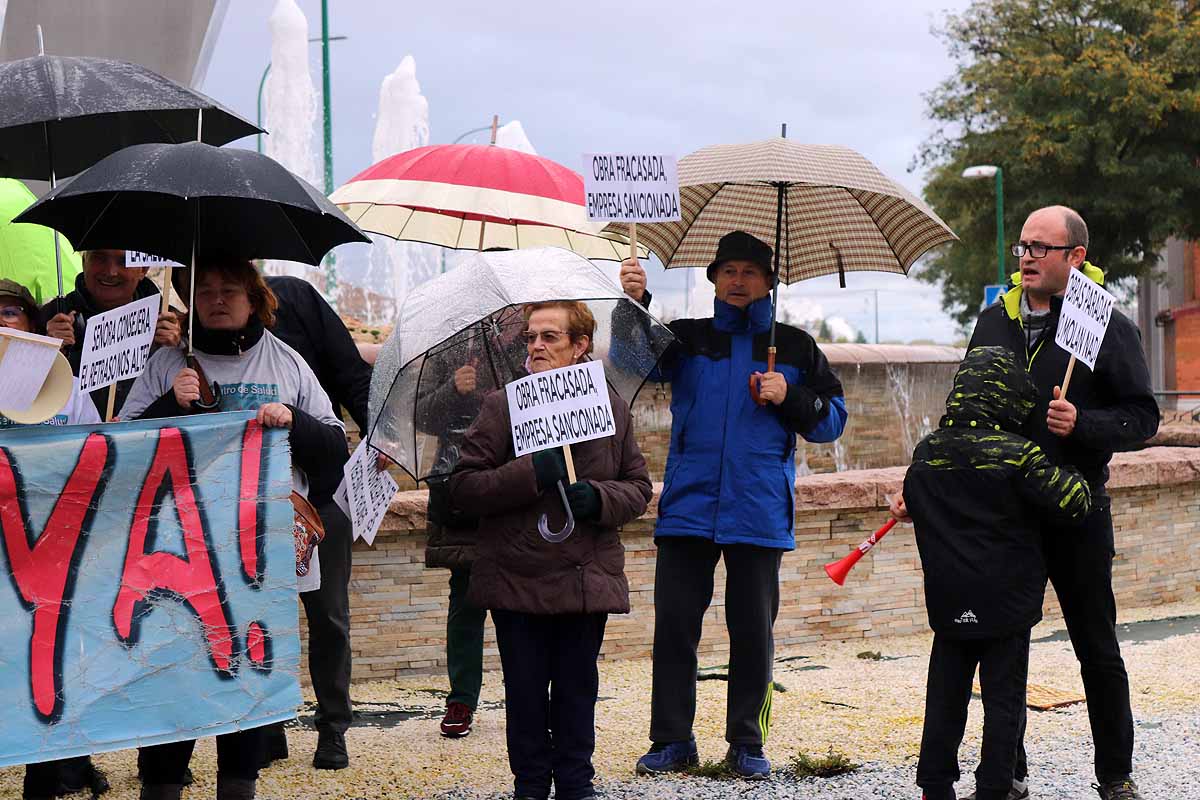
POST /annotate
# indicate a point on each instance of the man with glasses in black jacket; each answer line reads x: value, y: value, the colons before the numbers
x: 1109, y: 408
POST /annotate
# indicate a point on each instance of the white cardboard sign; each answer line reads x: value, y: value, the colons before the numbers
x: 631, y: 187
x: 368, y: 492
x: 117, y: 343
x: 136, y: 259
x: 25, y: 361
x: 1086, y: 310
x: 560, y: 406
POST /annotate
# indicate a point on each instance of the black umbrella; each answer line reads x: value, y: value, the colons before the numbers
x: 165, y: 198
x: 183, y: 201
x: 60, y: 114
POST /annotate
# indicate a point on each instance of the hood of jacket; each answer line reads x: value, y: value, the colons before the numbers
x: 991, y: 389
x: 1012, y: 298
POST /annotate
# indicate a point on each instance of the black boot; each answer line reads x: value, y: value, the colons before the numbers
x: 161, y: 791
x: 331, y: 751
x: 274, y: 744
x: 234, y: 788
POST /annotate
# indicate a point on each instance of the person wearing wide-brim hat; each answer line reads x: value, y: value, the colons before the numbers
x: 727, y: 494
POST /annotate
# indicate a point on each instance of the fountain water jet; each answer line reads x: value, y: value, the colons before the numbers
x: 402, y: 123
x: 290, y: 106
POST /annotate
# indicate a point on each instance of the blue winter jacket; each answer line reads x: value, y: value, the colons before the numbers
x: 731, y: 470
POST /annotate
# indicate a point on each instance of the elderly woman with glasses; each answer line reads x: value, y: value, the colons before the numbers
x: 550, y: 601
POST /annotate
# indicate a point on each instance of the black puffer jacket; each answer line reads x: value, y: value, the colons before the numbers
x: 1117, y: 410
x: 976, y: 491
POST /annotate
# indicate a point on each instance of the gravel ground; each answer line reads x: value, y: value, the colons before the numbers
x: 869, y: 710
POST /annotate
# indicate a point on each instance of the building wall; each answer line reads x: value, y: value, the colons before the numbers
x: 398, y: 608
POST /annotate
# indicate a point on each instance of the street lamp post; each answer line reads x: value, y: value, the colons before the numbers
x: 987, y: 171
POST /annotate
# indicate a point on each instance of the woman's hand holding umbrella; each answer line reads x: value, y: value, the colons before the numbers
x: 186, y: 387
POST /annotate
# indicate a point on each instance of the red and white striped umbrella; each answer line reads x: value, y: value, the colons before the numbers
x: 474, y: 197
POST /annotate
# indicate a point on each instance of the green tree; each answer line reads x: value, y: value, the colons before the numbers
x: 1094, y: 105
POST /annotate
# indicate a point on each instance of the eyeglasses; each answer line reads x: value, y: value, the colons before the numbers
x: 549, y: 337
x: 11, y: 313
x: 1037, y: 249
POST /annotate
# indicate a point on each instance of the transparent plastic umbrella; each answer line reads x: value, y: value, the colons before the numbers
x: 472, y: 317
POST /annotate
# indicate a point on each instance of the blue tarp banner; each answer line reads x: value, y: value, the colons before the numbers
x: 151, y: 592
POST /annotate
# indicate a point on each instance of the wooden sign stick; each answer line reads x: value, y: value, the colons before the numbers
x: 166, y: 292
x: 112, y: 400
x: 570, y: 463
x: 1067, y: 380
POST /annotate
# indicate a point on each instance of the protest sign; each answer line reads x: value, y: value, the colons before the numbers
x: 629, y: 187
x: 151, y: 592
x: 133, y: 258
x: 25, y: 362
x: 117, y: 343
x: 560, y: 407
x: 369, y: 492
x: 1086, y: 310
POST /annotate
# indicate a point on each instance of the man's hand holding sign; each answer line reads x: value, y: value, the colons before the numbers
x: 1083, y: 321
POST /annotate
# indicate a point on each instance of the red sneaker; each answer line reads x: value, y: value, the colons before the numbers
x: 457, y: 722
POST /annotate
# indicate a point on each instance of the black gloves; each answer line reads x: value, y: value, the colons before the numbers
x: 584, y: 500
x: 549, y: 467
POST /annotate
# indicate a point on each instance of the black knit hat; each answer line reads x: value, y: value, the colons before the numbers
x: 741, y: 246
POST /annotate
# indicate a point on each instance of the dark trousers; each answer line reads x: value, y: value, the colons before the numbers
x: 238, y: 756
x: 683, y: 589
x: 1079, y: 560
x: 328, y: 613
x: 1003, y: 670
x: 550, y: 688
x: 464, y: 643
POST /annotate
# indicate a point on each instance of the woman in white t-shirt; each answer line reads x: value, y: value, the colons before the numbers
x: 250, y: 369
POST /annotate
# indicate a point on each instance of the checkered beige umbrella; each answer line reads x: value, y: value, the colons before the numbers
x: 835, y: 212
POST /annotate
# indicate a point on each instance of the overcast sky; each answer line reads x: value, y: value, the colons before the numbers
x: 669, y: 76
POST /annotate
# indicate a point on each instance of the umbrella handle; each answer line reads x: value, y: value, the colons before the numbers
x: 208, y: 397
x: 756, y: 382
x: 544, y: 523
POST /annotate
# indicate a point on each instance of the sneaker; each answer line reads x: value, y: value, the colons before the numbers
x: 331, y: 751
x: 457, y: 722
x: 668, y: 757
x: 748, y: 761
x: 1118, y: 790
x: 1019, y: 791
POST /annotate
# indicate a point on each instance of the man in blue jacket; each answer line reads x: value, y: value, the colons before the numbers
x: 728, y: 493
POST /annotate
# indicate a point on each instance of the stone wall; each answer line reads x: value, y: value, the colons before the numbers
x: 399, y: 608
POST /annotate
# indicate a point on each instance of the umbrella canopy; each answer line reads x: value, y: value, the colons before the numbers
x: 66, y: 113
x: 27, y: 251
x: 472, y: 317
x: 475, y: 197
x: 833, y: 210
x: 162, y: 198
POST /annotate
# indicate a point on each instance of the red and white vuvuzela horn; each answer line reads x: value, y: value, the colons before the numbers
x: 838, y: 570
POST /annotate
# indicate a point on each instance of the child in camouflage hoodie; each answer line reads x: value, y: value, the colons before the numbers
x: 975, y: 491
